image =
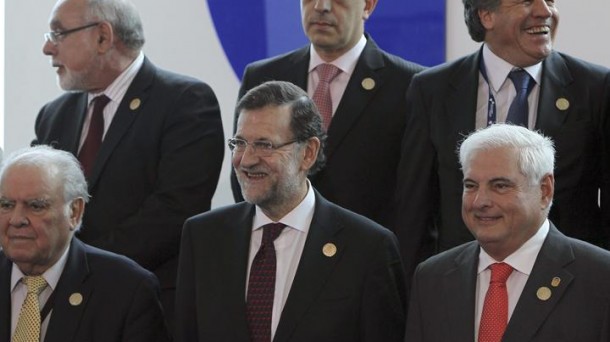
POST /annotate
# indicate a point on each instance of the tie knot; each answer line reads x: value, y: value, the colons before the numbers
x: 500, y: 272
x: 521, y: 79
x: 327, y: 72
x: 34, y: 284
x: 271, y: 231
x: 99, y: 102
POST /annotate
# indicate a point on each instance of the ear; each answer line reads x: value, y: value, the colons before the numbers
x: 105, y: 39
x: 547, y: 190
x: 310, y: 151
x: 77, y: 208
x: 487, y: 18
x: 369, y: 7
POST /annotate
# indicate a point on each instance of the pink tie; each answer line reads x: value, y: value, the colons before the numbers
x: 495, y: 308
x: 321, y: 97
x: 261, y: 286
x: 93, y: 141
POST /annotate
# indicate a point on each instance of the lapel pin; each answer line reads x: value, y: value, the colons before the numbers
x: 75, y: 299
x: 135, y: 104
x: 368, y: 83
x: 543, y: 293
x: 562, y: 103
x: 329, y: 249
x: 555, y: 282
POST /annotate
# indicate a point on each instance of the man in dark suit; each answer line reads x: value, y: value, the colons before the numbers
x: 557, y: 287
x: 368, y: 102
x: 87, y: 294
x: 335, y: 275
x: 162, y: 147
x: 569, y: 102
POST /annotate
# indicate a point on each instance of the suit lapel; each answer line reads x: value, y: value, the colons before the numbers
x: 298, y: 68
x: 5, y: 298
x: 555, y: 80
x: 124, y: 117
x: 461, y: 104
x: 72, y: 129
x: 370, y: 65
x: 460, y: 308
x: 313, y: 270
x: 65, y: 317
x: 531, y: 312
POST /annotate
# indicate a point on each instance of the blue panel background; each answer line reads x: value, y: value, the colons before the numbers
x: 250, y: 30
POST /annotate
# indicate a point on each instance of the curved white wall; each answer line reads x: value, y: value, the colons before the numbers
x: 180, y: 37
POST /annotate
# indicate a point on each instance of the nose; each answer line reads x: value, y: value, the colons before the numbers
x: 540, y: 8
x: 323, y: 5
x: 18, y: 218
x: 48, y: 48
x: 481, y: 199
x: 246, y: 158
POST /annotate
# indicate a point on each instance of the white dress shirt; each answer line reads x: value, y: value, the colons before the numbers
x: 503, y: 89
x: 522, y: 261
x: 288, y: 249
x: 19, y: 291
x: 347, y: 63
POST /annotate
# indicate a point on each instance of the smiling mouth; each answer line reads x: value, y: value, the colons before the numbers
x: 254, y: 175
x: 541, y: 30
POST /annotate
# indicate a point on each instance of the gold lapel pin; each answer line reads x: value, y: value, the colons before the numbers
x: 562, y: 103
x: 555, y: 282
x: 135, y: 104
x: 543, y: 293
x: 368, y: 83
x: 329, y: 249
x: 75, y: 299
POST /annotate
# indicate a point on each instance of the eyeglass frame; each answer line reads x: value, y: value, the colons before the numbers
x: 259, y: 147
x: 55, y: 37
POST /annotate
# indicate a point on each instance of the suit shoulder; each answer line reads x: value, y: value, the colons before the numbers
x: 593, y: 256
x: 580, y: 65
x: 402, y: 64
x: 442, y: 262
x: 114, y: 266
x: 175, y: 80
x: 274, y: 62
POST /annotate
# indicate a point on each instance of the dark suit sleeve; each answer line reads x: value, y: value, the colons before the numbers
x: 190, y: 154
x: 605, y: 187
x: 186, y: 311
x: 417, y: 184
x: 414, y: 324
x: 144, y: 321
x: 383, y: 299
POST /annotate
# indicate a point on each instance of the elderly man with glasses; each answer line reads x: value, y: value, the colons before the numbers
x: 286, y: 264
x: 150, y: 141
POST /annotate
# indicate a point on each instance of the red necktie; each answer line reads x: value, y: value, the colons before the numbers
x: 261, y: 286
x: 321, y: 97
x: 93, y: 141
x: 495, y: 308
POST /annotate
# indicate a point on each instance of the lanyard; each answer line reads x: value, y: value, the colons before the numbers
x: 491, y: 102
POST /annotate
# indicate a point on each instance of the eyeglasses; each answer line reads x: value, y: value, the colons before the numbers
x: 56, y: 36
x: 259, y: 147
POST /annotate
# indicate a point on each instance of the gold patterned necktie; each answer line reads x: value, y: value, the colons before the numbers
x: 28, y: 325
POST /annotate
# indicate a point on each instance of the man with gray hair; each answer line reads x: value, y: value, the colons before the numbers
x: 151, y: 142
x: 53, y: 287
x: 522, y: 279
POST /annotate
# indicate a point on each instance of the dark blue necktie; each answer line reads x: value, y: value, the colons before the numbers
x: 518, y: 111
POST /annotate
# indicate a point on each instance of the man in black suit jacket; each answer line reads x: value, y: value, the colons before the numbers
x: 338, y: 274
x: 569, y: 103
x: 90, y: 294
x: 559, y: 287
x: 163, y: 145
x: 363, y: 147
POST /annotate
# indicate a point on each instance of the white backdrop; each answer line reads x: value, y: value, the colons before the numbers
x: 181, y: 37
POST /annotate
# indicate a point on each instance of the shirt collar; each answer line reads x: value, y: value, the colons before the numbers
x: 117, y: 89
x: 524, y: 258
x: 298, y: 218
x: 51, y: 275
x: 498, y: 69
x: 346, y: 62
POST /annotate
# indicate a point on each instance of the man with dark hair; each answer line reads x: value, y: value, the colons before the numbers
x: 365, y: 111
x: 53, y: 287
x: 286, y: 264
x: 150, y: 141
x: 515, y: 77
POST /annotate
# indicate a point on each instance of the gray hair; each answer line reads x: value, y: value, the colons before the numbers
x: 124, y: 18
x: 58, y: 164
x: 305, y: 122
x: 536, y: 154
x: 471, y: 16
